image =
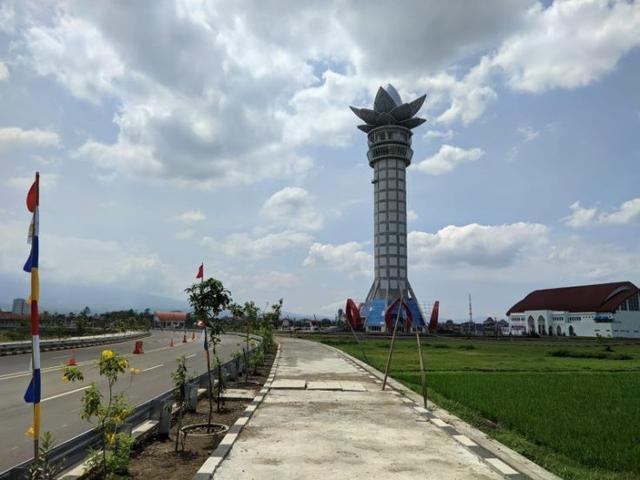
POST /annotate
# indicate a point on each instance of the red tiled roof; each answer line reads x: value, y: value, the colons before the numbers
x: 603, y: 297
x: 171, y: 316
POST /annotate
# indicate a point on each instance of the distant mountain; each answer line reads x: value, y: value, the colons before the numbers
x: 73, y: 298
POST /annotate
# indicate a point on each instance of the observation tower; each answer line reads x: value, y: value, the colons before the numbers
x: 388, y: 128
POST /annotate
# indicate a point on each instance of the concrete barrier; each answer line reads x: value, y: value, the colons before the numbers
x: 14, y: 348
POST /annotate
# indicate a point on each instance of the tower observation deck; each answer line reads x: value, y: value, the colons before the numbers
x: 388, y: 127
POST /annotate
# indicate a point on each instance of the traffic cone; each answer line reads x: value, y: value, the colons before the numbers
x: 184, y: 338
x: 72, y: 361
x: 171, y: 342
x: 138, y: 349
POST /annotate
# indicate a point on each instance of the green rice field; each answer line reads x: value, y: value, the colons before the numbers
x: 570, y: 405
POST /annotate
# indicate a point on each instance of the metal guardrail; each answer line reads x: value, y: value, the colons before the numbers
x: 74, y: 450
x: 14, y: 348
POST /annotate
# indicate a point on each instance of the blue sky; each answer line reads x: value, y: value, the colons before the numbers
x: 170, y: 133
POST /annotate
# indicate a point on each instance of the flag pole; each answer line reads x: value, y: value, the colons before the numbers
x: 35, y: 330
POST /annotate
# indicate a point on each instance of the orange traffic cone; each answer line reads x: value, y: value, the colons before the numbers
x: 184, y: 338
x: 171, y: 342
x: 72, y: 361
x: 138, y: 349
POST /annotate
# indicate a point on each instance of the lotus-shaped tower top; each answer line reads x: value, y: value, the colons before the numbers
x: 388, y: 109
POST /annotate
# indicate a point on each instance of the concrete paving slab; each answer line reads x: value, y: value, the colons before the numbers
x: 324, y: 385
x: 319, y: 434
x: 239, y: 394
x: 289, y: 384
x: 353, y: 387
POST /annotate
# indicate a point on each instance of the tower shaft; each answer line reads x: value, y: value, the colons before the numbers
x: 389, y: 155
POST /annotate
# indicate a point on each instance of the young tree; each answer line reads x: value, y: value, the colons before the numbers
x: 208, y: 299
x: 181, y: 380
x: 113, y: 457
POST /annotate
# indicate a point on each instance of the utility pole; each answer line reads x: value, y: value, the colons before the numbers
x: 471, y: 316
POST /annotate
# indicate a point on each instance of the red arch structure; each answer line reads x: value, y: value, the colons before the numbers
x: 389, y: 317
x: 353, y: 315
x: 433, y: 323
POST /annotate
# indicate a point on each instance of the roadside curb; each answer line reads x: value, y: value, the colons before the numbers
x: 208, y: 468
x: 499, y: 457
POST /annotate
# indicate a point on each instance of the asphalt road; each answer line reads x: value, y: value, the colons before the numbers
x: 61, y: 402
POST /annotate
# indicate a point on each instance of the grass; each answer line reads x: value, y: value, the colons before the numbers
x: 577, y: 412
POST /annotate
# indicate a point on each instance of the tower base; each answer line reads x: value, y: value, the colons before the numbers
x: 373, y: 312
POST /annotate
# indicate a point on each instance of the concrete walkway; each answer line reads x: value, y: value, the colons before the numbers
x: 326, y: 418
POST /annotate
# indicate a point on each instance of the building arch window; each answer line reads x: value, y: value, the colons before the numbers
x: 531, y: 324
x: 558, y: 330
x: 541, y: 328
x: 572, y: 332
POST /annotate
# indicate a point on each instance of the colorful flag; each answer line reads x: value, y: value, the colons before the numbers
x: 200, y: 271
x: 33, y: 393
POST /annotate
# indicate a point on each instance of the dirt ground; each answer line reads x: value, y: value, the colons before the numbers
x: 156, y: 459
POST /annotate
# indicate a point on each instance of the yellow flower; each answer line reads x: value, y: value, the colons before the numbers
x: 31, y: 432
x: 123, y: 363
x: 107, y: 354
x: 135, y: 371
x: 110, y: 438
x: 64, y: 378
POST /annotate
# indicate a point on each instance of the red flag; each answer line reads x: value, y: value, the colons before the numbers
x: 32, y: 196
x: 200, y: 271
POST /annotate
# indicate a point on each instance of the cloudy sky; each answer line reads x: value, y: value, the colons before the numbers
x: 168, y: 133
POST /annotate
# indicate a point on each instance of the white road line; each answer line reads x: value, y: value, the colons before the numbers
x: 191, y: 356
x: 151, y: 368
x: 61, y: 356
x: 66, y: 393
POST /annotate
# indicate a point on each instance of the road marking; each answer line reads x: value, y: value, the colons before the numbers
x: 60, y: 356
x: 191, y: 356
x: 151, y: 368
x: 66, y: 393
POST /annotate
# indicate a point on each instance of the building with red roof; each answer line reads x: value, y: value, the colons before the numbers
x: 605, y: 309
x: 173, y: 319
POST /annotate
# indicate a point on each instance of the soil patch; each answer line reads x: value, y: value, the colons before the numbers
x: 156, y: 459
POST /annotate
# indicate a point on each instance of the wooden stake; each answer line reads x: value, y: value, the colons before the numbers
x: 422, y: 375
x: 358, y: 341
x: 393, y: 340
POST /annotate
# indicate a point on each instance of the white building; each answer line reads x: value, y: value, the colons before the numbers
x: 606, y: 310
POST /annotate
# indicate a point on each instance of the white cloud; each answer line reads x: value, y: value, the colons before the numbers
x: 12, y: 137
x: 348, y: 258
x: 627, y: 213
x: 244, y: 245
x: 569, y: 44
x: 439, y: 134
x: 47, y: 181
x: 293, y: 207
x: 76, y: 54
x: 125, y: 158
x: 447, y: 159
x: 274, y: 281
x: 488, y: 246
x: 4, y: 72
x: 580, y: 217
x: 190, y: 216
x: 412, y: 216
x: 469, y: 97
x: 528, y: 133
x: 75, y: 260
